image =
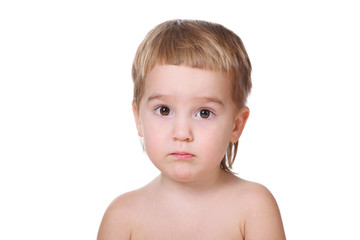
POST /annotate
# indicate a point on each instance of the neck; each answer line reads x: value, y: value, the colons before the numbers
x: 208, y: 184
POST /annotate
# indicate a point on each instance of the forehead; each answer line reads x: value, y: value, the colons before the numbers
x: 187, y: 83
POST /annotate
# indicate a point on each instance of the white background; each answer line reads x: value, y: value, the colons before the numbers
x: 68, y: 144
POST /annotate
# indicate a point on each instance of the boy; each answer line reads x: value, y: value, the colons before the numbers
x: 191, y: 81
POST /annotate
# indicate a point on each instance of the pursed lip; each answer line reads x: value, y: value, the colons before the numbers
x: 182, y: 155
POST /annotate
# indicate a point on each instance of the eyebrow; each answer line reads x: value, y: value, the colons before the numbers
x: 157, y: 96
x: 203, y: 99
x: 212, y: 100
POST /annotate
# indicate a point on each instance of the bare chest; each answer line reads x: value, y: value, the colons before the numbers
x: 179, y: 222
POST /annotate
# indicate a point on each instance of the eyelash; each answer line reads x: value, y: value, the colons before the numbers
x: 166, y: 111
x: 158, y: 111
x: 210, y: 113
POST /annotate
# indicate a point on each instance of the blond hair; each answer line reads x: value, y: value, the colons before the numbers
x: 197, y: 44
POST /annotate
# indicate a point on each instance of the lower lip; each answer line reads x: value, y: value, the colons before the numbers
x: 182, y: 155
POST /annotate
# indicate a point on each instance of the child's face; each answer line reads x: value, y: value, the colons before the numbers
x: 187, y: 118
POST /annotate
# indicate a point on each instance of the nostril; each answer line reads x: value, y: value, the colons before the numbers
x: 187, y: 139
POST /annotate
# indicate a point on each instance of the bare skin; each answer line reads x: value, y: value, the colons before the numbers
x: 229, y: 208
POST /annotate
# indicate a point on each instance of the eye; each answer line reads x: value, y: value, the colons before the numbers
x: 163, y: 111
x: 205, y: 113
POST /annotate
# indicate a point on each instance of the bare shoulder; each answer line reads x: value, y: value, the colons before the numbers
x: 117, y: 220
x: 253, y: 192
x: 262, y: 219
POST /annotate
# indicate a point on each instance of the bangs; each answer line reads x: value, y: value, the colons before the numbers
x: 184, y: 48
x: 189, y: 44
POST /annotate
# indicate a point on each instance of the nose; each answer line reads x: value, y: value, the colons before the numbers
x: 182, y: 130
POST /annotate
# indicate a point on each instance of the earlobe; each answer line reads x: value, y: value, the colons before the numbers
x: 239, y: 123
x: 137, y: 119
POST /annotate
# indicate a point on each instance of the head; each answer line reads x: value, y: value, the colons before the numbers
x: 199, y: 45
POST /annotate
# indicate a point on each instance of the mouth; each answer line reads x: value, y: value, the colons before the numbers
x: 182, y: 155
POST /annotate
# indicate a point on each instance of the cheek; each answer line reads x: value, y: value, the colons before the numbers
x: 215, y: 140
x: 153, y: 137
x: 215, y: 148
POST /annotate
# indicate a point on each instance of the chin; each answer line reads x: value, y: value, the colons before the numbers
x: 183, y: 178
x: 183, y: 174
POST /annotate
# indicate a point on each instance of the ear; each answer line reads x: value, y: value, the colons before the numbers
x: 137, y: 119
x: 239, y: 123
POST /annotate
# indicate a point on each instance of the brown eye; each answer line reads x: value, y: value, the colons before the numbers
x: 204, y: 113
x: 163, y: 110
